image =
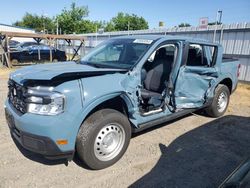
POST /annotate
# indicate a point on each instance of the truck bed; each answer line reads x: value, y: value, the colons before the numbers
x: 228, y: 58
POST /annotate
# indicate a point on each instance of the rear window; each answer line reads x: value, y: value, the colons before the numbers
x: 201, y: 55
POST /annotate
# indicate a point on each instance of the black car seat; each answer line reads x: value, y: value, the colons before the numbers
x: 157, y: 74
x: 193, y: 58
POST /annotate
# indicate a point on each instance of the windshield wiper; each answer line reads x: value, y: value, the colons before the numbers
x: 90, y: 64
x: 96, y: 65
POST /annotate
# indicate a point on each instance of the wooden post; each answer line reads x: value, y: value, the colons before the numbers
x: 38, y: 40
x: 6, y: 50
x: 50, y: 51
x: 84, y: 48
x: 39, y: 53
x: 1, y: 50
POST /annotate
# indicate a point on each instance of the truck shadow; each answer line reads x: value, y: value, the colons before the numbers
x: 203, y: 157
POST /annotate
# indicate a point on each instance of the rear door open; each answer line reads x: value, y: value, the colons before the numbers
x: 196, y: 76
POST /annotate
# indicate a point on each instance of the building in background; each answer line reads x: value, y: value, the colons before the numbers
x: 10, y: 28
x: 235, y: 39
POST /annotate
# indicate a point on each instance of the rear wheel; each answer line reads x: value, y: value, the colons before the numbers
x: 103, y: 138
x: 14, y: 61
x: 220, y: 101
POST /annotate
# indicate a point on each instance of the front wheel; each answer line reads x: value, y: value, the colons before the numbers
x: 103, y: 138
x: 220, y: 101
x: 14, y: 61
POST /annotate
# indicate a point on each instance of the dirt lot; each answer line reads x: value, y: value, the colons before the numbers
x: 194, y: 151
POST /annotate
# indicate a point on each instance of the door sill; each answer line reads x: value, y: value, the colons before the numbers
x: 164, y: 119
x: 152, y: 112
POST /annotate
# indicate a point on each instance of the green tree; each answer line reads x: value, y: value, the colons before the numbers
x: 39, y: 23
x: 71, y: 20
x: 126, y: 21
x: 87, y: 26
x: 109, y: 27
x: 184, y: 25
x: 214, y: 23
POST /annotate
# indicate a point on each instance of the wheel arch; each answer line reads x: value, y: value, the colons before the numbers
x: 117, y: 101
x: 227, y: 82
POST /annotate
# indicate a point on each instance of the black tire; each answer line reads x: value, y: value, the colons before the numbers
x: 89, y: 133
x: 14, y: 61
x: 214, y: 110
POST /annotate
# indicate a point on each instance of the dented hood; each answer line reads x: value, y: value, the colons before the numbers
x: 58, y: 72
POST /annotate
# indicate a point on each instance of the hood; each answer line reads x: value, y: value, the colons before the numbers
x: 58, y: 72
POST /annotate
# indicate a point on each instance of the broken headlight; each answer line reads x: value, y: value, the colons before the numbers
x: 44, y: 101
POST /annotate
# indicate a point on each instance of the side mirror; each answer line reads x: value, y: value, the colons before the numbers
x: 152, y: 57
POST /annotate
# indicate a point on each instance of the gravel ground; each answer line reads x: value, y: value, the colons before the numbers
x: 194, y: 151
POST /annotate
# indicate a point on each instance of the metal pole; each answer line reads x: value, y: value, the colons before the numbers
x: 221, y: 31
x: 215, y: 26
x: 128, y: 27
x: 44, y: 25
x: 96, y: 35
x: 57, y: 30
x: 221, y: 34
x: 220, y: 15
x: 218, y: 20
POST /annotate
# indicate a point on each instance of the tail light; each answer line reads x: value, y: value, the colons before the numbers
x: 238, y: 71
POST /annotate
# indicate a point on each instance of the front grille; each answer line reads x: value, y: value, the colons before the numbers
x: 16, y: 96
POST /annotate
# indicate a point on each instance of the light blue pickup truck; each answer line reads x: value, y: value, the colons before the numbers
x: 124, y: 85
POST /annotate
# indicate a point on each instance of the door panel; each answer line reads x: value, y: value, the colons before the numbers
x: 27, y: 55
x: 45, y: 54
x: 192, y: 86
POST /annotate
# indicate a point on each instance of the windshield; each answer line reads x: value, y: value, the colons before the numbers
x: 117, y: 53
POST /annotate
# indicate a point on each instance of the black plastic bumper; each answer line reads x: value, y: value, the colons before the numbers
x: 37, y: 144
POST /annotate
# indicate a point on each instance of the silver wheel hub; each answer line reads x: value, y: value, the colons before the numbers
x: 222, y: 102
x: 109, y: 142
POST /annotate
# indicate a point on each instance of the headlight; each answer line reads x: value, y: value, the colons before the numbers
x: 45, y: 102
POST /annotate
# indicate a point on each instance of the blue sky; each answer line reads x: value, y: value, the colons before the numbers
x: 171, y: 12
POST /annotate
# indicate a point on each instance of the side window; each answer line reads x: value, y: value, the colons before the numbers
x: 170, y: 50
x: 201, y: 55
x: 45, y: 48
x: 159, y: 64
x: 196, y: 56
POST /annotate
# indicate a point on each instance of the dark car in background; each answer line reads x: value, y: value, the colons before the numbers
x: 36, y: 53
x: 17, y: 46
x: 13, y: 44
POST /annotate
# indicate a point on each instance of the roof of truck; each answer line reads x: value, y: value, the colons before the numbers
x: 167, y: 37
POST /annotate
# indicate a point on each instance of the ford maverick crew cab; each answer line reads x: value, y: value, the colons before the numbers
x: 124, y: 85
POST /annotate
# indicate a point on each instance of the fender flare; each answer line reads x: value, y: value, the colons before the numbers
x: 96, y: 102
x: 218, y: 81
